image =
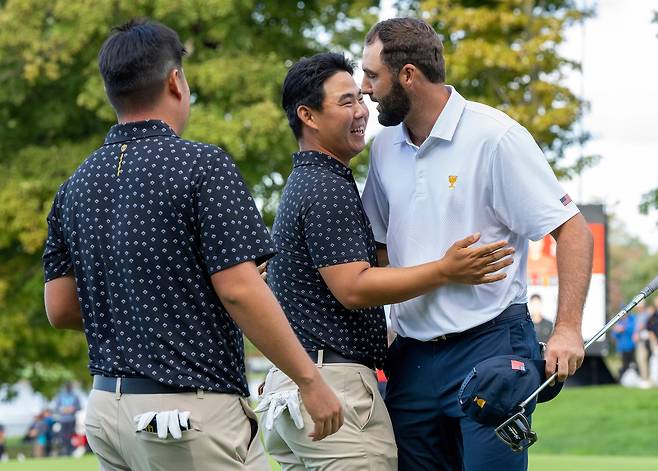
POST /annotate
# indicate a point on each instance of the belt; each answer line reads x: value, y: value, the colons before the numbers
x: 135, y: 386
x: 329, y: 356
x: 515, y: 311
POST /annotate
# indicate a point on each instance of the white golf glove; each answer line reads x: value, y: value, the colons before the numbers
x: 168, y: 421
x: 276, y: 403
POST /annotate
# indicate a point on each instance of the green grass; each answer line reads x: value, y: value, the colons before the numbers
x: 594, y: 463
x: 602, y: 420
x: 578, y: 430
x: 537, y: 463
x: 86, y: 463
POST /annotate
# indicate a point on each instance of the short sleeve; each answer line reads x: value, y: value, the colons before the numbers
x: 375, y: 203
x: 231, y: 230
x: 56, y: 256
x: 334, y: 226
x: 526, y: 195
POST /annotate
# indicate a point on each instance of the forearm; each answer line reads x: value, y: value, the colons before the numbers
x: 357, y: 284
x: 574, y: 266
x: 376, y: 286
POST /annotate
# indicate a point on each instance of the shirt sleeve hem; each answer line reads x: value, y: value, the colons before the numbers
x: 548, y: 228
x: 59, y: 274
x: 257, y: 259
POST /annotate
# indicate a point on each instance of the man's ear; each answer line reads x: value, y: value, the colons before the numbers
x: 307, y: 116
x: 408, y: 74
x: 175, y: 83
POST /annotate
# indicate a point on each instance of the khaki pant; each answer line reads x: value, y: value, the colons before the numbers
x: 222, y: 435
x: 364, y: 442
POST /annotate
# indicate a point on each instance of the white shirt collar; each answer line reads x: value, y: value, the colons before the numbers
x: 445, y: 125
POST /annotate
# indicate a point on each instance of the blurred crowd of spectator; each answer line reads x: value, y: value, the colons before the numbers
x: 56, y: 430
x: 636, y: 337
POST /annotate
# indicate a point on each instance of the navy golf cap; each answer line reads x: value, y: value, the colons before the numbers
x: 492, y: 391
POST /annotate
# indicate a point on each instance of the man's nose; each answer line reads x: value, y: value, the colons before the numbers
x: 361, y: 111
x: 366, y: 87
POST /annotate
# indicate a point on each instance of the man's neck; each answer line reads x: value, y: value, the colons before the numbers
x: 314, y: 146
x: 167, y: 118
x: 425, y: 111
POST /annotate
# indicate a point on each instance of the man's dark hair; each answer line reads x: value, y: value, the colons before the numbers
x: 135, y: 61
x: 410, y: 41
x: 304, y: 84
x: 535, y: 296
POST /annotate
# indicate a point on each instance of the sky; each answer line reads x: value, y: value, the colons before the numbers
x: 618, y: 49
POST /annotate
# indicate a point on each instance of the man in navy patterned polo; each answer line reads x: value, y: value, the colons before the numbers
x: 326, y: 278
x: 152, y: 250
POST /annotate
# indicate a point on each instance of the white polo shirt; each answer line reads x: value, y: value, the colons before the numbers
x: 478, y: 171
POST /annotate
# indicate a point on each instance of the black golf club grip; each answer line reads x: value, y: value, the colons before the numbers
x: 650, y: 288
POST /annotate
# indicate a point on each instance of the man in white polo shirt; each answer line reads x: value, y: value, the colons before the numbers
x: 443, y: 167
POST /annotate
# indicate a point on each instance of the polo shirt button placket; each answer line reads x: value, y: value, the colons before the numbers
x: 421, y: 177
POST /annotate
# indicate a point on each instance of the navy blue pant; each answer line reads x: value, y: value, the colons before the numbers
x: 431, y: 431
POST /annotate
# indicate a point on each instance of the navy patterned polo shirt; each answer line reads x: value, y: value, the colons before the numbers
x: 143, y: 223
x: 320, y: 222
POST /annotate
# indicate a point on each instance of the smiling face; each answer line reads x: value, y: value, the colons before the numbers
x: 383, y: 87
x: 339, y: 127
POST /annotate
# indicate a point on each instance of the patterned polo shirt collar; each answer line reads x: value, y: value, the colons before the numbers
x: 312, y: 157
x: 138, y: 130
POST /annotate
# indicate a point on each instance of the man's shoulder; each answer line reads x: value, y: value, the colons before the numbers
x: 314, y: 183
x: 487, y: 119
x: 201, y: 148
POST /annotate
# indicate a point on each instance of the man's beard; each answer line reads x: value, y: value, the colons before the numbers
x: 394, y: 107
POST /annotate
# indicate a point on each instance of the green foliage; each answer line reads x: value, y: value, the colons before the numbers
x: 504, y: 53
x: 53, y: 112
x: 649, y: 201
x: 631, y: 265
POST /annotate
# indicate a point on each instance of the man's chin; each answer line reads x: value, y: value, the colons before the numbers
x: 386, y: 120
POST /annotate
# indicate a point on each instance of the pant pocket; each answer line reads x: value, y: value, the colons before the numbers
x: 96, y: 437
x: 523, y: 340
x: 245, y: 448
x: 360, y: 399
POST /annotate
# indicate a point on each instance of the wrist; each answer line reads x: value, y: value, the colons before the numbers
x: 441, y: 276
x: 567, y: 326
x: 308, y: 377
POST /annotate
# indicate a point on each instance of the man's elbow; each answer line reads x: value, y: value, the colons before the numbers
x: 352, y: 300
x: 59, y: 319
x: 62, y: 317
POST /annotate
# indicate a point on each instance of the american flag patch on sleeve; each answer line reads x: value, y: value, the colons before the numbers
x: 518, y: 365
x: 565, y: 200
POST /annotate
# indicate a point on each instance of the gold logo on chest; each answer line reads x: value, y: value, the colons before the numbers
x: 452, y: 179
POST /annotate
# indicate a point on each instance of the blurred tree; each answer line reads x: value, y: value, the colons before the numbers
x: 650, y: 199
x: 631, y: 265
x: 505, y: 53
x: 53, y: 112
